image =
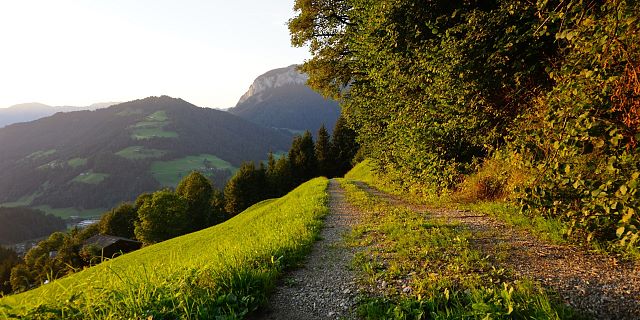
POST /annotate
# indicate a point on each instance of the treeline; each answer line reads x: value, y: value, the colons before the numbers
x: 194, y: 205
x: 537, y: 102
x: 21, y: 224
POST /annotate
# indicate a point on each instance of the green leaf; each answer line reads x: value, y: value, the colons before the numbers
x: 623, y: 190
x: 620, y: 231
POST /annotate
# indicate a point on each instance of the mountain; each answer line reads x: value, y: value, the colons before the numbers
x: 71, y: 162
x: 280, y: 98
x: 33, y: 111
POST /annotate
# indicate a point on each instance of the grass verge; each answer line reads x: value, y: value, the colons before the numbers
x: 223, y: 272
x: 419, y: 268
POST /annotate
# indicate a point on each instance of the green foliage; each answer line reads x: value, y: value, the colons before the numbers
x: 279, y: 176
x: 245, y: 188
x: 302, y: 158
x: 163, y: 216
x: 582, y: 142
x: 323, y: 153
x: 223, y: 272
x: 8, y: 260
x: 197, y: 190
x: 434, y: 88
x: 120, y: 221
x: 343, y: 147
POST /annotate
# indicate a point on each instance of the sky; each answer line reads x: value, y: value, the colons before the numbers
x: 79, y: 52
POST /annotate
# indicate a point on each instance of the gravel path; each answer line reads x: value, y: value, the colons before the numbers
x: 596, y: 284
x: 325, y: 287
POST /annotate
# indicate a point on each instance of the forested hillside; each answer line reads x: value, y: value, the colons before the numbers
x: 534, y: 102
x: 95, y: 159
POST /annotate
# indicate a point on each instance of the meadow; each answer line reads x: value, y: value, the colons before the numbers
x: 169, y: 173
x: 223, y: 272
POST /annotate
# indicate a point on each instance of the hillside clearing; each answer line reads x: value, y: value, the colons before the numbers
x: 224, y: 270
x: 139, y: 153
x: 169, y: 173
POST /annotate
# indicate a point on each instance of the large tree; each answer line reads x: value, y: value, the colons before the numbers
x: 428, y: 85
x: 196, y: 190
x: 163, y: 216
x: 120, y: 221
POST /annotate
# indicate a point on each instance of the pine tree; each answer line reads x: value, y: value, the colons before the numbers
x: 302, y: 157
x: 245, y: 188
x: 343, y: 147
x: 323, y: 153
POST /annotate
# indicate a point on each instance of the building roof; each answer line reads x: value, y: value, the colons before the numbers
x: 103, y: 241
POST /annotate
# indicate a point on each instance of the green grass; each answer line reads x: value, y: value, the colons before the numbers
x: 430, y: 271
x: 66, y: 213
x: 552, y: 230
x: 22, y: 202
x: 139, y: 153
x: 169, y: 173
x: 152, y: 127
x: 363, y: 171
x: 157, y: 116
x: 223, y: 272
x: 77, y: 162
x: 41, y: 154
x: 90, y: 177
x: 149, y: 133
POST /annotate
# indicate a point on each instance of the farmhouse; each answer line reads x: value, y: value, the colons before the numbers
x: 111, y: 246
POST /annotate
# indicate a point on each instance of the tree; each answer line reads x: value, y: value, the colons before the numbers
x: 279, y: 177
x: 120, y: 221
x: 323, y: 153
x: 325, y: 26
x: 343, y: 147
x: 196, y: 190
x: 162, y: 217
x: 218, y: 212
x: 245, y: 188
x: 8, y: 260
x: 302, y: 158
x: 21, y: 278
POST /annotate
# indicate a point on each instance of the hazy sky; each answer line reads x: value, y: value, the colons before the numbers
x: 207, y: 52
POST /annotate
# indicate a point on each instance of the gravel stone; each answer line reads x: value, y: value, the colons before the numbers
x: 325, y: 287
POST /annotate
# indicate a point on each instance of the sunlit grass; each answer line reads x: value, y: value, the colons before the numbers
x: 223, y: 271
x: 426, y: 269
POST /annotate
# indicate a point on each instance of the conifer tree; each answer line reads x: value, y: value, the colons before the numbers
x: 245, y: 188
x: 303, y: 160
x: 343, y: 147
x: 323, y: 153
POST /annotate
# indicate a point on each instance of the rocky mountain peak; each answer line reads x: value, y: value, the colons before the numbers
x: 274, y: 79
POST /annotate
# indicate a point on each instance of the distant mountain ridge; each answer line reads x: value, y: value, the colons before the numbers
x: 25, y: 112
x: 281, y: 99
x: 95, y: 159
